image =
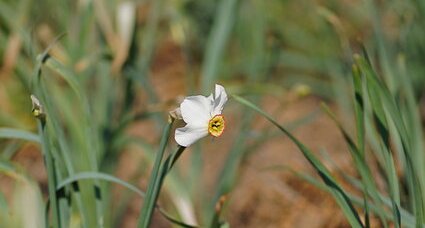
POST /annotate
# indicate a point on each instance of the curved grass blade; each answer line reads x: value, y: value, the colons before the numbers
x: 40, y: 89
x: 359, y: 109
x: 368, y: 184
x: 407, y: 217
x: 98, y: 176
x: 106, y: 177
x: 386, y: 108
x: 339, y: 194
x: 89, y: 149
x: 175, y: 183
x: 11, y: 133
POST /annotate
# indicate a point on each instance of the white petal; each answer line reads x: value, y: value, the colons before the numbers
x: 186, y: 136
x: 219, y: 100
x: 196, y: 110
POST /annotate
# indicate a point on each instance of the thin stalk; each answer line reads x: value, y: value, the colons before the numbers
x: 154, y: 181
x: 50, y: 176
x: 165, y: 169
x: 217, y: 40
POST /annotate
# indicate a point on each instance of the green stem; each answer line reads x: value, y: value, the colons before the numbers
x: 50, y: 175
x: 154, y: 182
x: 165, y: 169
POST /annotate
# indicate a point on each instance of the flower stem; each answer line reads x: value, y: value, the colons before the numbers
x: 48, y: 160
x: 155, y: 181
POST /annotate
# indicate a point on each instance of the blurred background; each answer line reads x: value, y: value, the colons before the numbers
x: 134, y: 61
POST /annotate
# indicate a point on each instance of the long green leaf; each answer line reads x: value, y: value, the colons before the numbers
x: 154, y: 182
x: 339, y: 194
x: 51, y: 175
x: 385, y: 109
x: 11, y: 133
x: 217, y: 41
x: 408, y: 219
x: 368, y: 182
x: 98, y: 176
x: 106, y: 177
x: 55, y: 132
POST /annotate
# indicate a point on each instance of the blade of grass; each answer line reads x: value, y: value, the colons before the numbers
x: 106, y: 177
x: 176, y: 185
x: 384, y: 50
x: 90, y: 144
x: 360, y: 128
x: 368, y: 184
x: 146, y: 54
x: 63, y: 147
x: 154, y: 181
x: 11, y: 133
x: 413, y: 118
x: 339, y: 194
x: 55, y: 131
x: 99, y: 176
x: 381, y: 97
x: 381, y: 120
x: 217, y: 40
x: 408, y: 219
x: 359, y: 109
x: 50, y: 175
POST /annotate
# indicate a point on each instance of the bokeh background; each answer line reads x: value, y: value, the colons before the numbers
x: 137, y: 60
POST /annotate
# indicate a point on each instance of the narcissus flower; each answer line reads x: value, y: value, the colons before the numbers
x: 202, y: 116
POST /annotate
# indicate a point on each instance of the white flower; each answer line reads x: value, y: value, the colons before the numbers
x: 202, y: 116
